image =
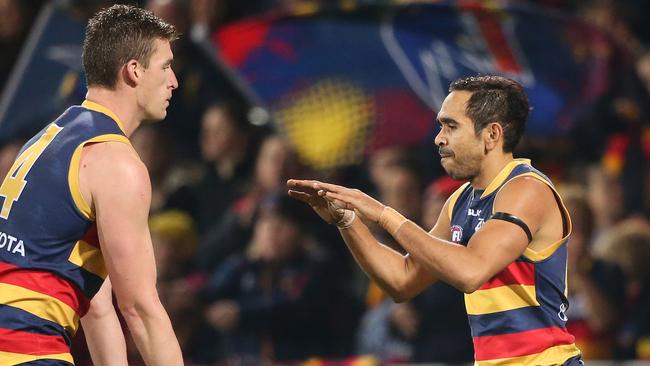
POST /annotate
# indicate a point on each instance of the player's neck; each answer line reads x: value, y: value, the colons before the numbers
x: 491, y: 167
x: 120, y: 104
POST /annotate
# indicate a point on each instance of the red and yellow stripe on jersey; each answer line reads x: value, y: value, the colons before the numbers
x: 51, y: 263
x: 518, y: 316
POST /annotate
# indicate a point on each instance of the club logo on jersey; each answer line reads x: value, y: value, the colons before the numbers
x: 456, y: 234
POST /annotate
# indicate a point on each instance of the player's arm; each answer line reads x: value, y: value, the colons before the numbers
x: 442, y: 228
x: 399, y: 276
x: 497, y: 244
x: 406, y: 278
x: 121, y: 193
x: 492, y: 248
x: 103, y: 330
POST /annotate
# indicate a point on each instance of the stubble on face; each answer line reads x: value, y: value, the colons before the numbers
x: 460, y: 148
x: 463, y: 167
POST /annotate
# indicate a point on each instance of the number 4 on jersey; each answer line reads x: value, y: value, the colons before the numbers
x: 14, y: 183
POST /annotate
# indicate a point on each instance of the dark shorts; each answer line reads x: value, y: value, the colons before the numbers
x: 46, y: 363
x: 574, y: 361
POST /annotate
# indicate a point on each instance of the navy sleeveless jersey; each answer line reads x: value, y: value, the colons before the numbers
x: 50, y: 260
x: 518, y: 316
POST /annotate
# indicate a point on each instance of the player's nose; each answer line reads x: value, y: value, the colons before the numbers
x: 173, y: 82
x: 440, y: 140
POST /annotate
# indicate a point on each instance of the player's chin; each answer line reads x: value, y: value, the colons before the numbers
x: 157, y: 117
x: 448, y: 167
x: 162, y: 113
x: 446, y: 163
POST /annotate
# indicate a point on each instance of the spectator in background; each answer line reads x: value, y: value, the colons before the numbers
x: 16, y: 15
x: 174, y: 238
x: 405, y: 331
x: 273, y: 302
x: 206, y: 15
x: 381, y: 161
x: 276, y: 162
x: 610, y: 17
x: 228, y: 147
x: 435, y: 197
x: 170, y: 182
x: 387, y: 330
x: 605, y: 196
x: 395, y: 175
x: 614, y: 133
x: 628, y: 245
x: 595, y: 286
x: 8, y: 153
x: 203, y: 81
x: 441, y: 307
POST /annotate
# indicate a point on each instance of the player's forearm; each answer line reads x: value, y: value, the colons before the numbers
x: 153, y: 334
x: 104, y: 337
x: 452, y: 263
x: 388, y: 268
x: 103, y: 331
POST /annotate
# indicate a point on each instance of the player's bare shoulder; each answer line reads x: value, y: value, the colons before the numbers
x: 112, y: 168
x: 527, y: 194
x: 534, y: 201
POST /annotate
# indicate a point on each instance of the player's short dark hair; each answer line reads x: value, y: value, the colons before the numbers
x: 116, y: 35
x: 496, y: 99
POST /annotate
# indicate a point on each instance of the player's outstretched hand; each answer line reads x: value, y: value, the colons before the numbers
x: 307, y: 191
x: 347, y: 198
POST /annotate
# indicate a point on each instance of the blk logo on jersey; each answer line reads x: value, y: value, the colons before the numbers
x: 456, y: 234
x: 473, y: 212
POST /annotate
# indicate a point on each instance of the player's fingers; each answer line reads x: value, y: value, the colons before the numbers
x: 339, y: 200
x: 302, y: 184
x: 302, y: 196
x: 329, y: 187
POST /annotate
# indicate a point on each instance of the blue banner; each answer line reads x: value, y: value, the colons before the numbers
x: 48, y: 74
x: 347, y: 83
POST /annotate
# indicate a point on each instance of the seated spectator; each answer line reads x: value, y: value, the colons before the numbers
x: 272, y: 303
x: 594, y: 286
x: 628, y: 245
x: 170, y: 181
x: 228, y: 146
x: 174, y: 239
x: 276, y: 162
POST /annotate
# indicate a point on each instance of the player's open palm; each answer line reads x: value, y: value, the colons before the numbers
x: 351, y: 199
x: 306, y: 191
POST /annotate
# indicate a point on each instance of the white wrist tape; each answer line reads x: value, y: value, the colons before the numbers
x: 391, y: 220
x: 346, y: 216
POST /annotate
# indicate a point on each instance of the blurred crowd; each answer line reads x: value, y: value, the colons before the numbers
x: 252, y: 277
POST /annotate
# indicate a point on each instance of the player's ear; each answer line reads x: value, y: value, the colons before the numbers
x: 492, y: 133
x: 131, y: 72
